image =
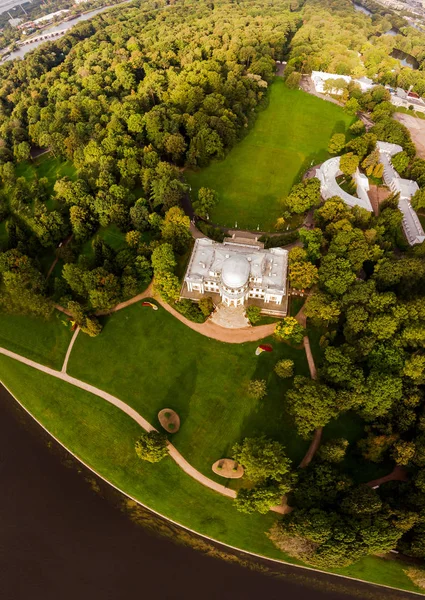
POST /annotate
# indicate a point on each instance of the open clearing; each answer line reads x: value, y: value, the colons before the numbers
x: 152, y: 361
x: 288, y: 136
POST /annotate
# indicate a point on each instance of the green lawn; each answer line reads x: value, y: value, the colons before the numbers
x: 113, y: 236
x: 152, y: 361
x: 289, y: 135
x: 44, y: 341
x: 46, y: 166
x: 103, y: 437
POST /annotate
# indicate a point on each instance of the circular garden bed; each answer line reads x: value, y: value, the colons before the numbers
x: 229, y: 468
x: 169, y: 420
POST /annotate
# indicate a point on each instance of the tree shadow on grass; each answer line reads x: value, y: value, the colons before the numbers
x: 269, y: 416
x: 339, y: 127
x: 182, y: 389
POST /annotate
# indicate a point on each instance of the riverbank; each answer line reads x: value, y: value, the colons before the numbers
x: 89, y: 541
x: 162, y: 487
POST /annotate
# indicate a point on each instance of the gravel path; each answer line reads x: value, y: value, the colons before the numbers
x: 174, y: 453
x: 68, y: 352
x: 209, y: 329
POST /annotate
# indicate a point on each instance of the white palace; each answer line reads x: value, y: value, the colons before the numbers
x: 239, y: 271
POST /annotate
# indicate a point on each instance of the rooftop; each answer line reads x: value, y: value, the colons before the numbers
x: 235, y: 261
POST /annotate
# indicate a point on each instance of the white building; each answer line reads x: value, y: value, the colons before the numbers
x: 237, y: 272
x: 329, y: 186
x: 406, y: 188
x: 319, y: 78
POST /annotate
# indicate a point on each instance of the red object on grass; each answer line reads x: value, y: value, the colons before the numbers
x: 266, y: 347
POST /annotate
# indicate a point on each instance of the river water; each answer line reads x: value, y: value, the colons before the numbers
x: 66, y: 536
x: 362, y: 9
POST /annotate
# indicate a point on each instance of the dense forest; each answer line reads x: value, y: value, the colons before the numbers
x: 132, y: 98
x: 129, y: 98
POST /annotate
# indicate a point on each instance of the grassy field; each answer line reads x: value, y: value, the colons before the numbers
x: 46, y: 166
x: 113, y: 236
x: 103, y: 437
x: 44, y: 341
x: 289, y: 135
x: 152, y: 361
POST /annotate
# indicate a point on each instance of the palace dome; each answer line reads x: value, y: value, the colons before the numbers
x: 235, y: 271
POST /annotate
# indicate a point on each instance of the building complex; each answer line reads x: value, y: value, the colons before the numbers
x: 405, y: 188
x: 238, y: 272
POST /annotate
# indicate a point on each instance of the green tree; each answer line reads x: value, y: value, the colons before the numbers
x: 348, y: 163
x: 284, y: 368
x: 152, y: 446
x: 176, y: 229
x: 352, y: 106
x: 313, y: 242
x: 258, y: 499
x: 312, y: 405
x: 263, y: 459
x: 303, y: 275
x: 336, y: 143
x: 304, y: 196
x: 293, y: 80
x: 403, y: 452
x: 362, y: 500
x: 163, y: 258
x: 207, y: 200
x: 167, y: 285
x: 257, y: 389
x: 206, y: 305
x: 22, y: 151
x: 335, y: 274
x: 333, y: 451
x: 322, y: 309
x: 400, y: 162
x: 290, y: 330
x: 253, y: 314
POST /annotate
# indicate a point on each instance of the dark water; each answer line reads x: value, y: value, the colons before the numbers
x: 65, y: 536
x: 405, y: 59
x: 362, y: 9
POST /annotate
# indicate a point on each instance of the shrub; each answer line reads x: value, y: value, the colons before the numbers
x: 284, y: 368
x: 276, y: 241
x: 152, y: 446
x: 206, y: 305
x: 210, y: 231
x: 190, y: 310
x: 333, y: 451
x: 253, y: 314
x: 290, y: 330
x: 257, y: 388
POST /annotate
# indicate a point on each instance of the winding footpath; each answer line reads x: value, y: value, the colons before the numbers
x: 128, y: 410
x: 208, y: 329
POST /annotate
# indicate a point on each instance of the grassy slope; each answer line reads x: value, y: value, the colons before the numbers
x: 46, y: 166
x: 290, y: 134
x: 104, y: 437
x: 43, y: 341
x: 152, y: 361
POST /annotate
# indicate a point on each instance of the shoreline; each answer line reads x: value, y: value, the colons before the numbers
x: 269, y: 561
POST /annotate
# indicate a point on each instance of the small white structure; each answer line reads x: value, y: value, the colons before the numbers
x: 406, y: 188
x: 319, y: 79
x: 238, y: 272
